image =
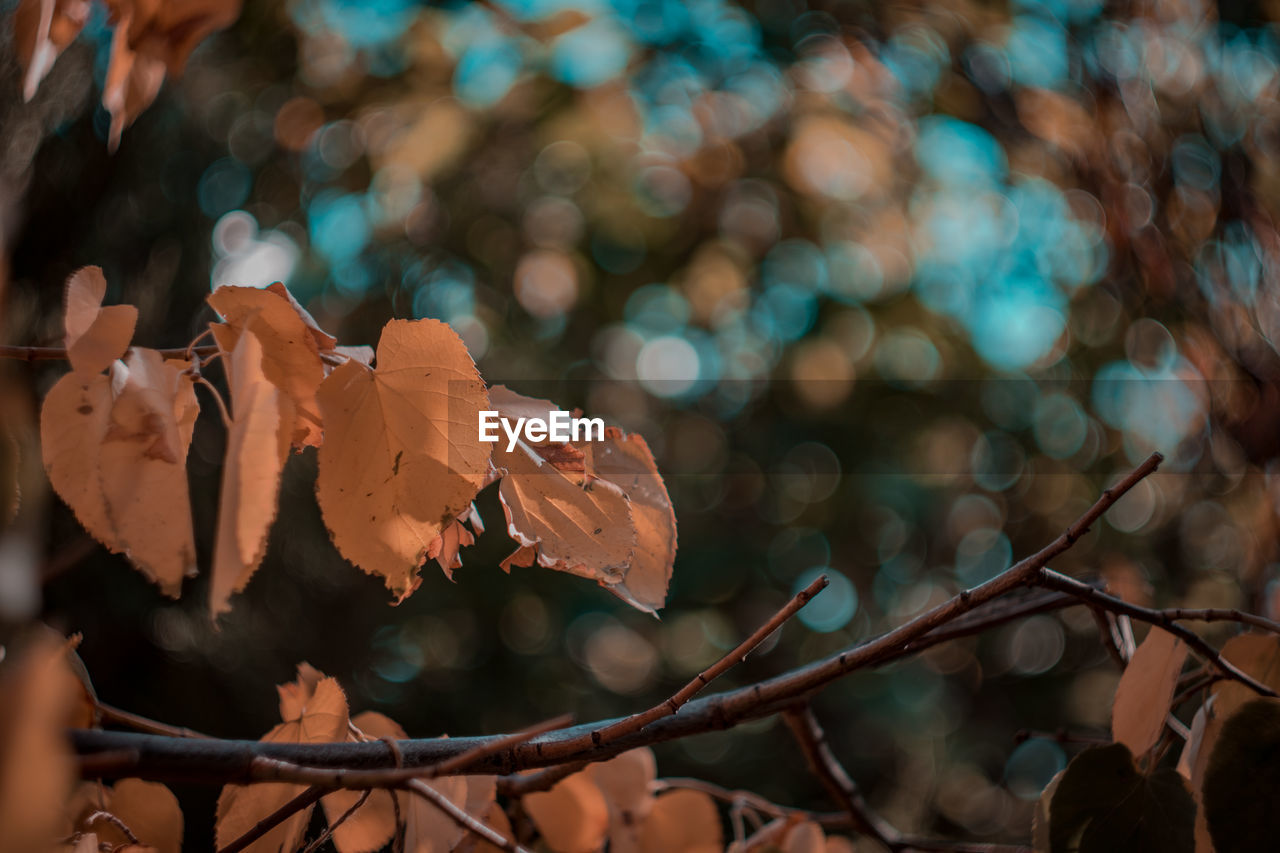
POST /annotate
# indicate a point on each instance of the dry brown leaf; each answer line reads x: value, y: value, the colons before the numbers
x: 38, y: 695
x: 257, y: 447
x: 142, y: 468
x: 73, y: 422
x: 133, y: 81
x: 626, y: 780
x: 1257, y: 655
x: 372, y: 825
x: 456, y: 536
x: 1146, y: 690
x: 572, y: 816
x: 402, y: 457
x: 96, y: 336
x: 426, y: 828
x: 42, y: 29
x: 627, y: 462
x: 290, y: 354
x: 805, y: 837
x: 321, y: 710
x: 148, y: 809
x: 169, y: 31
x: 682, y: 820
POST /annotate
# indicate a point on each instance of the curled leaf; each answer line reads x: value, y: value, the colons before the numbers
x: 257, y: 447
x: 96, y: 336
x: 42, y: 29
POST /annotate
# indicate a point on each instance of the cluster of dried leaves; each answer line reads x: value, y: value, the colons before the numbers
x: 1224, y: 786
x: 400, y: 458
x: 152, y: 38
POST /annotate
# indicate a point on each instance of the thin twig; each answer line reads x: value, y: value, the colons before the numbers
x: 1055, y: 580
x: 812, y: 740
x: 540, y: 780
x: 112, y: 714
x: 304, y: 800
x: 342, y: 818
x: 217, y: 398
x: 114, y: 821
x: 636, y: 722
x: 60, y: 353
x: 1107, y: 630
x: 461, y: 818
x: 1061, y: 736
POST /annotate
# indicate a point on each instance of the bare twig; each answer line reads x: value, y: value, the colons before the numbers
x: 112, y: 714
x: 342, y: 818
x: 304, y: 800
x: 461, y: 818
x: 1096, y: 597
x: 60, y: 353
x: 636, y: 722
x: 217, y: 398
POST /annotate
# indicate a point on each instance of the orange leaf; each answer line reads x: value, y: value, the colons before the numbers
x: 142, y: 468
x: 627, y: 462
x: 115, y: 450
x: 402, y: 456
x: 148, y: 809
x: 257, y: 447
x: 682, y: 820
x: 290, y: 355
x: 444, y: 550
x: 322, y: 718
x: 133, y: 81
x: 426, y: 828
x: 73, y: 422
x: 38, y: 695
x: 167, y: 31
x: 372, y: 825
x: 573, y: 816
x: 42, y: 29
x: 96, y: 336
x: 1146, y: 690
x: 625, y: 780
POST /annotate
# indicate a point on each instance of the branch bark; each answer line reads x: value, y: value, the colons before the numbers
x: 229, y: 761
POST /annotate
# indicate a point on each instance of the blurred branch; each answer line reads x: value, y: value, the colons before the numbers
x: 822, y: 761
x: 60, y: 353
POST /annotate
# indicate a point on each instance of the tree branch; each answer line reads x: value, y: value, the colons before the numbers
x: 1164, y: 619
x: 228, y: 761
x: 60, y: 353
x: 812, y: 740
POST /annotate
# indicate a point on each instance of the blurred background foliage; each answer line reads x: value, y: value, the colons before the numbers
x: 892, y: 289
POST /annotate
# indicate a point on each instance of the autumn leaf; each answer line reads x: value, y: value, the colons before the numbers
x: 96, y: 336
x: 149, y: 810
x: 560, y: 518
x: 1104, y: 804
x: 115, y: 450
x: 626, y: 781
x: 38, y: 699
x: 427, y: 829
x: 572, y: 816
x: 1242, y: 782
x: 169, y: 31
x: 1256, y: 654
x: 401, y: 459
x: 372, y: 825
x: 321, y: 709
x: 42, y: 29
x: 142, y: 468
x: 1146, y: 691
x: 290, y: 349
x: 682, y: 819
x: 456, y: 536
x: 257, y: 447
x: 132, y: 83
x: 627, y: 462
